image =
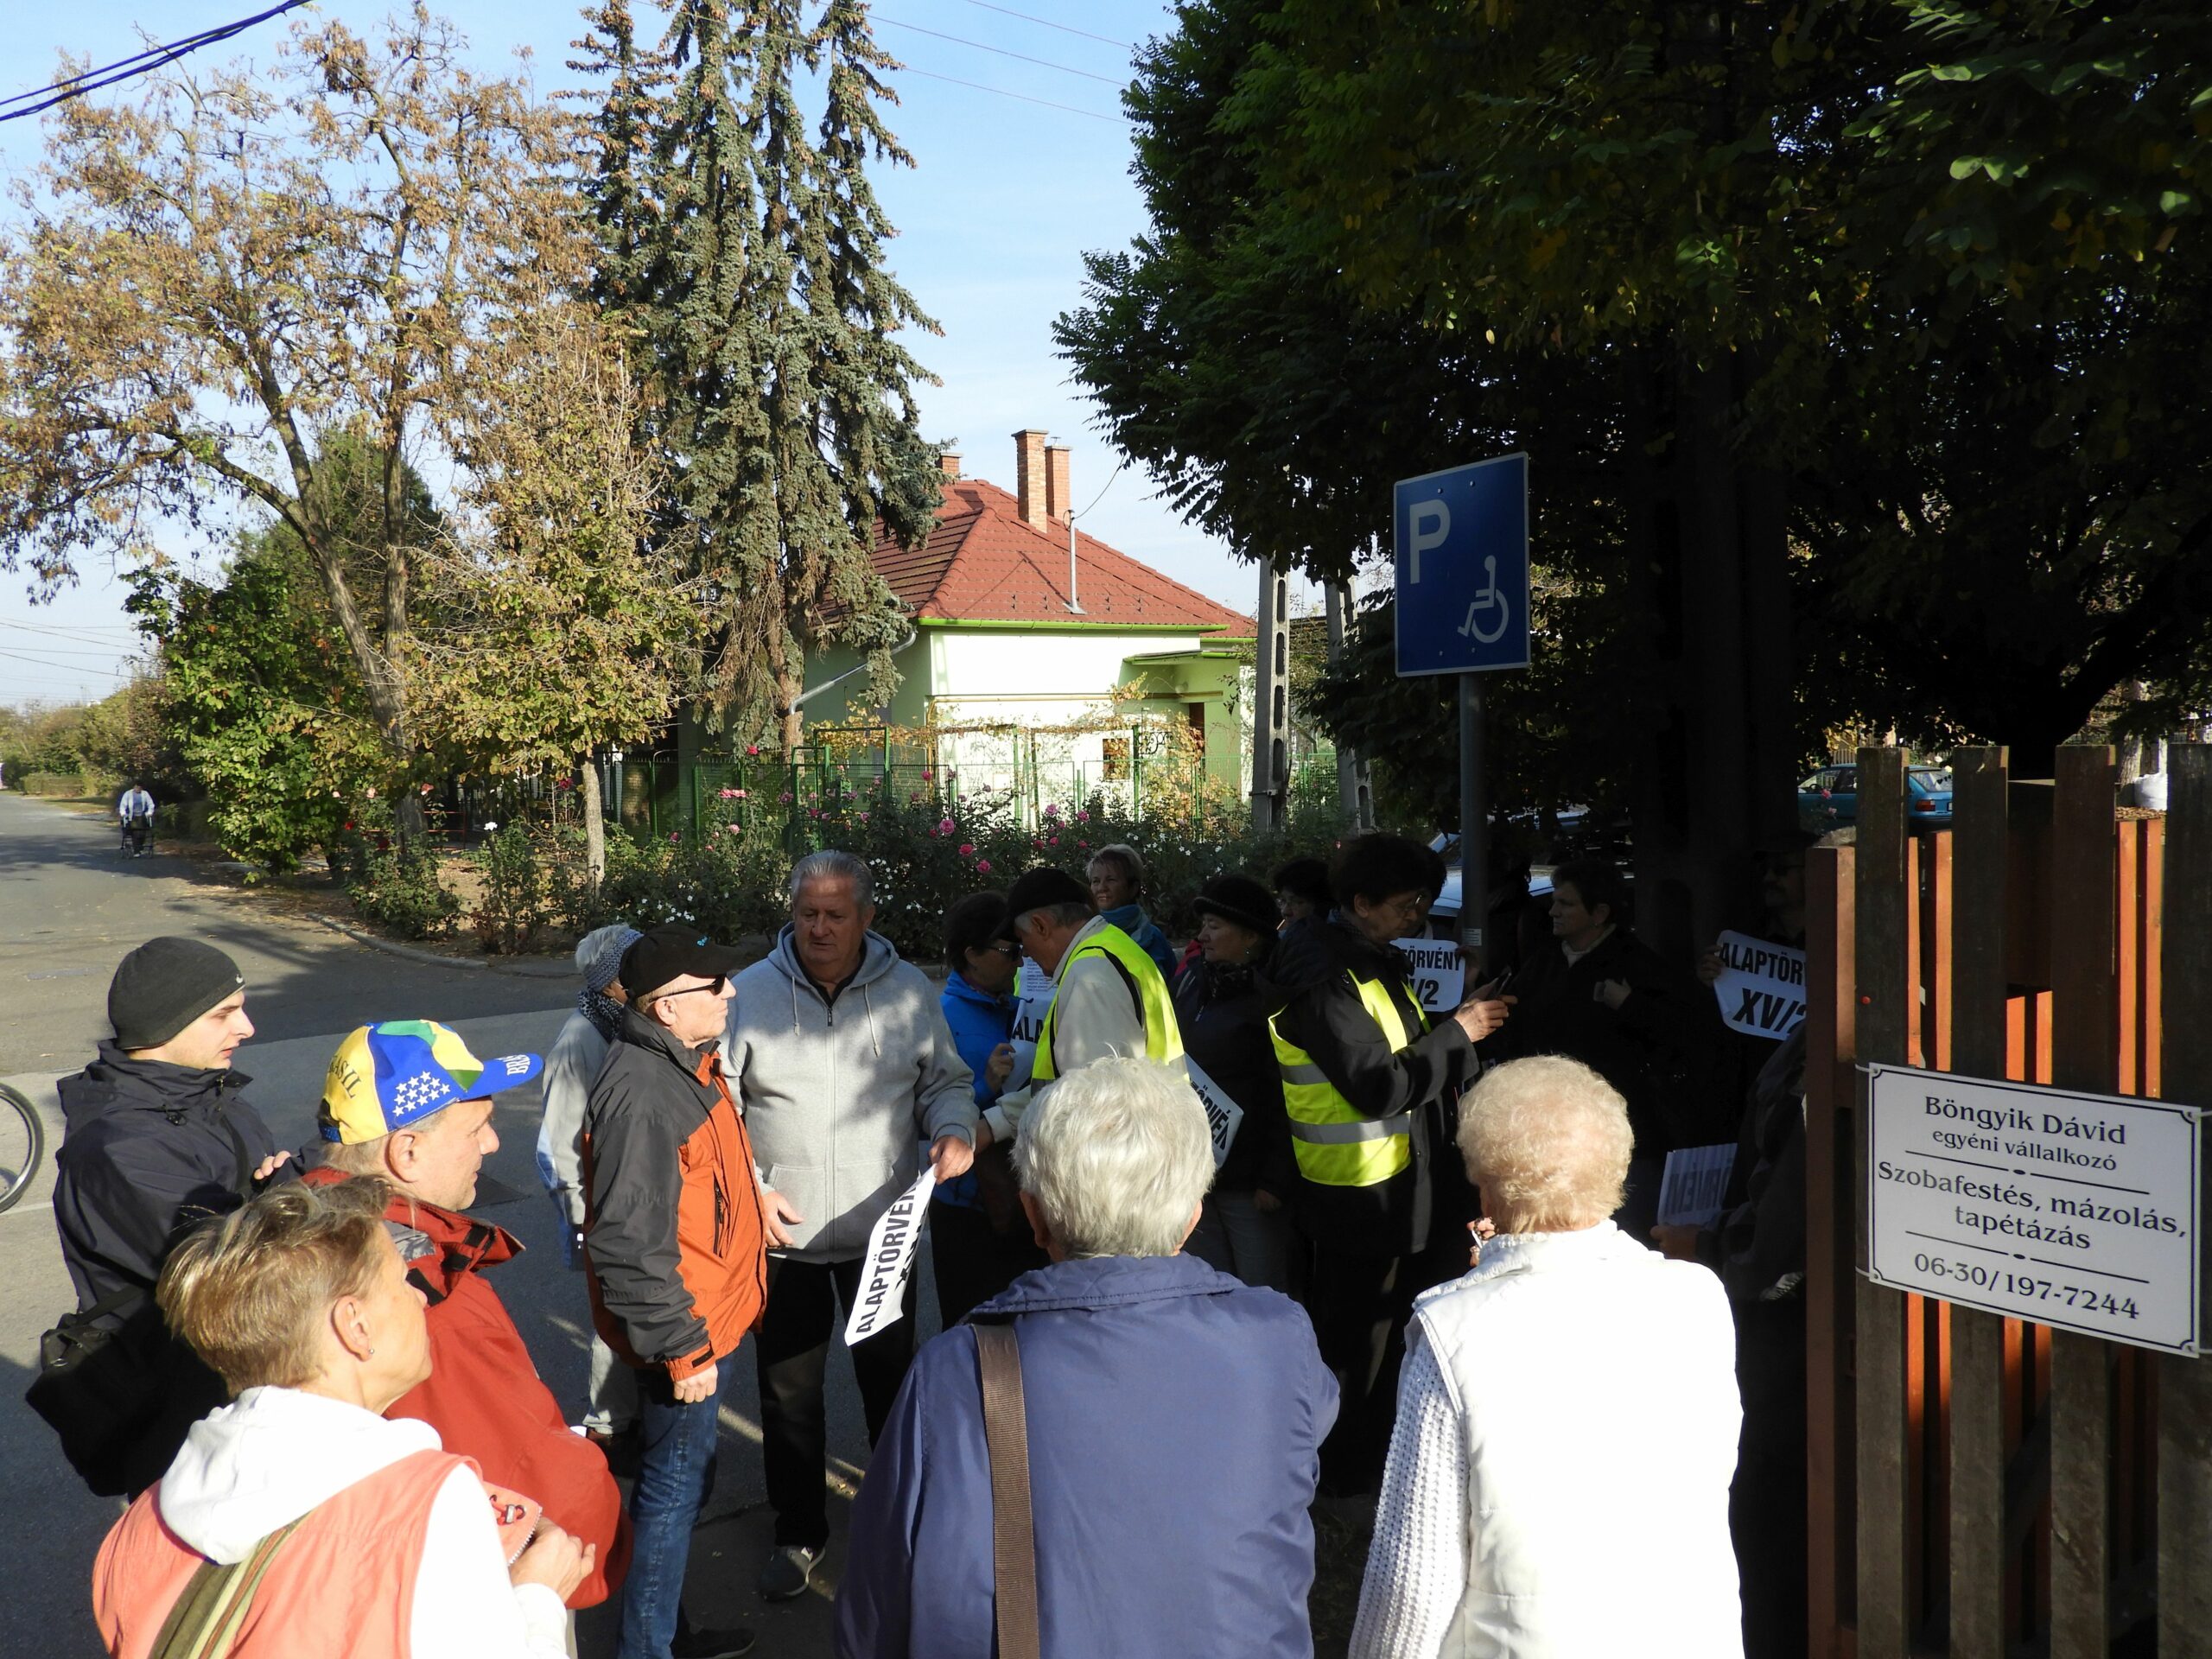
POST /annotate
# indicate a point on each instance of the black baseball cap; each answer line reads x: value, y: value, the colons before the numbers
x: 669, y: 951
x: 1034, y: 889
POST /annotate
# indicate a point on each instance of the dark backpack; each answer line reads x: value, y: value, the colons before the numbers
x: 118, y: 1388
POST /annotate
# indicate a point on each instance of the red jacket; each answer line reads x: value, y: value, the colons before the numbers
x: 484, y: 1397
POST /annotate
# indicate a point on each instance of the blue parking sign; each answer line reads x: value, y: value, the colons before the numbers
x: 1462, y: 544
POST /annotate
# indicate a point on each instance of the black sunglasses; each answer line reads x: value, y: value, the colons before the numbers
x: 716, y: 985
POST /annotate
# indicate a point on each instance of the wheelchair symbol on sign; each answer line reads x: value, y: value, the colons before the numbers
x: 1486, y: 599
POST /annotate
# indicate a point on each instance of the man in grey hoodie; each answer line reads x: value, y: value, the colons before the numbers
x: 844, y: 1064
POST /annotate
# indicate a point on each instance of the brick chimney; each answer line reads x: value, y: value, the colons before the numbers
x: 948, y: 465
x: 1029, y: 475
x: 1057, y: 507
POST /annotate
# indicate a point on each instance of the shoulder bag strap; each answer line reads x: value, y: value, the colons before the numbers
x: 1014, y: 1533
x: 206, y: 1620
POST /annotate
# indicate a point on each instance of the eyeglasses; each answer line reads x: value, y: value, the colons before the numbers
x: 1004, y: 947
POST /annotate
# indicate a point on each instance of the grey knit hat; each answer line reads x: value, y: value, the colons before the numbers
x: 163, y: 986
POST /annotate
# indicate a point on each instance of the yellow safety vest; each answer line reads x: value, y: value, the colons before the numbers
x: 1334, y: 1143
x: 1163, y: 1036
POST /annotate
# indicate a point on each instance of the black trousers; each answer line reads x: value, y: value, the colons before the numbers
x: 973, y: 1260
x: 1767, y: 1504
x: 793, y: 1353
x: 1359, y: 1305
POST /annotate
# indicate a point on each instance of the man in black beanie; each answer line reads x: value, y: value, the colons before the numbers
x: 156, y: 1139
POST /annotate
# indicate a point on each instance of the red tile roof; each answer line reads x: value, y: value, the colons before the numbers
x: 983, y: 563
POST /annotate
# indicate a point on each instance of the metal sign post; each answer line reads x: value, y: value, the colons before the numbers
x: 1461, y: 540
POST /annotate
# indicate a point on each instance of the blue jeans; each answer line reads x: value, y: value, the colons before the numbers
x: 674, y: 1479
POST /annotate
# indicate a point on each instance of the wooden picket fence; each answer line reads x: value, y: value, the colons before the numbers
x: 1983, y: 1487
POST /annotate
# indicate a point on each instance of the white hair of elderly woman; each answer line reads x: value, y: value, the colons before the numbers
x: 1118, y: 1155
x: 1548, y: 1140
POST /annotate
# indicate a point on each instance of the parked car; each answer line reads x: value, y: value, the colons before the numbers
x: 1829, y: 798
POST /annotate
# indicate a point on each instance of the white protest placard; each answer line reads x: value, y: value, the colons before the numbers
x: 1695, y: 1184
x: 1439, y: 973
x: 2074, y: 1210
x: 1033, y: 990
x: 1223, y: 1115
x: 890, y: 1258
x: 1762, y: 986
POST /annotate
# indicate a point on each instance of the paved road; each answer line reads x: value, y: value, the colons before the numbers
x: 71, y: 909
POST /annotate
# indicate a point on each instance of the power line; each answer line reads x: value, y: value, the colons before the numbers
x: 153, y: 57
x: 1042, y: 63
x: 978, y: 86
x: 1047, y: 22
x: 90, y: 634
x: 66, y: 668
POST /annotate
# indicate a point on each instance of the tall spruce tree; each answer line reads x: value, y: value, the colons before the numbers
x: 746, y: 247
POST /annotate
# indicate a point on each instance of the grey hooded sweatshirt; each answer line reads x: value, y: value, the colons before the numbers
x: 840, y: 1099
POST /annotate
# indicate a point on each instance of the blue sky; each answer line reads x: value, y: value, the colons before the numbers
x: 1006, y: 197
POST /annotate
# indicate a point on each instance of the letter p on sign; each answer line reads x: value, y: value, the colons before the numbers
x: 1432, y: 523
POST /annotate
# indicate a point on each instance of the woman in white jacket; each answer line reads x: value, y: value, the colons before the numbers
x: 1567, y: 1418
x: 323, y: 1528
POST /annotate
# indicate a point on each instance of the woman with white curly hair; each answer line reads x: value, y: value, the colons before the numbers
x: 1567, y: 1416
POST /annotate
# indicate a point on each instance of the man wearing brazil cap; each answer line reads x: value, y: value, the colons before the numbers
x: 406, y: 1103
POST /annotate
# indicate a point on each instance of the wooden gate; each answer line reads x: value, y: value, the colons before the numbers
x: 1981, y: 1486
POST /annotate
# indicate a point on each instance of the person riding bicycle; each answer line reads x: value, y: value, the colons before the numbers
x: 135, y: 811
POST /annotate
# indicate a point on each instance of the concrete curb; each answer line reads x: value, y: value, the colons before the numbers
x: 518, y: 969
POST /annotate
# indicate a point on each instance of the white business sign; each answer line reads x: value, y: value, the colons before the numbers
x: 1033, y: 990
x: 1762, y: 986
x: 1439, y: 973
x: 1224, y: 1115
x: 2073, y: 1210
x: 891, y: 1243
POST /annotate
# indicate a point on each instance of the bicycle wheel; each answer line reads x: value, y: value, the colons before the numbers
x: 23, y: 1138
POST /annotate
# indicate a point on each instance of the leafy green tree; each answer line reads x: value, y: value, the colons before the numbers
x: 560, y: 634
x: 261, y: 706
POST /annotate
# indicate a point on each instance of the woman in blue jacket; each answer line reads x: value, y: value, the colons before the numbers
x: 979, y: 1243
x: 1173, y: 1415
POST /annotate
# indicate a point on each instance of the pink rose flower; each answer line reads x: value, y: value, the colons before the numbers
x: 982, y: 866
x: 944, y: 826
x: 967, y: 849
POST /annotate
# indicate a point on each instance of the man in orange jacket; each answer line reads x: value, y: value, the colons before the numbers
x: 678, y: 1255
x: 406, y: 1101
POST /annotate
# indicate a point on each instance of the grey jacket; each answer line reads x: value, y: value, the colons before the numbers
x: 570, y: 1069
x: 839, y: 1099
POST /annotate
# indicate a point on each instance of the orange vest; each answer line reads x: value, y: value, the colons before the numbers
x: 342, y: 1584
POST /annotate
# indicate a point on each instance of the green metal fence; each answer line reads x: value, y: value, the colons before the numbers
x: 657, y: 794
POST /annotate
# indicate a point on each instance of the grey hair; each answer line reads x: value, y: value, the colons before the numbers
x: 1118, y: 1155
x: 596, y: 943
x: 1120, y: 852
x: 830, y: 864
x: 1067, y: 913
x: 1548, y: 1140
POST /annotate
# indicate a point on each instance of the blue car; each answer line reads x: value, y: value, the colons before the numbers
x: 1829, y: 798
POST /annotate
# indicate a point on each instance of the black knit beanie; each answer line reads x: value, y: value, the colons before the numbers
x: 163, y: 986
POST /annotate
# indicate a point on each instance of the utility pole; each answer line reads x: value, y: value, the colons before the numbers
x: 1271, y: 718
x: 1355, y: 784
